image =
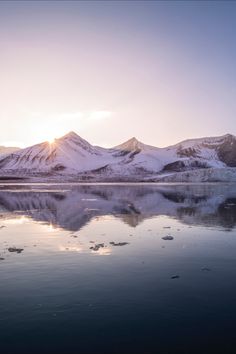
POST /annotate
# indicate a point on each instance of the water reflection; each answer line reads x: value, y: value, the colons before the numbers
x: 142, y: 271
x: 72, y: 207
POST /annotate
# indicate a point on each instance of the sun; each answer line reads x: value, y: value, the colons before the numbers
x: 51, y: 141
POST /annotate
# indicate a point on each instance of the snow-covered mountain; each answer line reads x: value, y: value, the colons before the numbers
x: 218, y: 149
x: 70, y: 153
x: 73, y: 156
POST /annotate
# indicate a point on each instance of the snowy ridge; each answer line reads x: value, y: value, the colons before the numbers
x: 7, y: 150
x: 199, y: 159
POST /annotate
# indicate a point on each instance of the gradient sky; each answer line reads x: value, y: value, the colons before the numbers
x: 160, y: 71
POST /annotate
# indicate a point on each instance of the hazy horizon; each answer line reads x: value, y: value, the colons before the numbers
x: 160, y: 71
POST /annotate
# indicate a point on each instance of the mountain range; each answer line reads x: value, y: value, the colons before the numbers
x: 73, y: 158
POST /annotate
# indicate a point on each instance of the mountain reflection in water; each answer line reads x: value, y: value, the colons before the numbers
x: 72, y: 207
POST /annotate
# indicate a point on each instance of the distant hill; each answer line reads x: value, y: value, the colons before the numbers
x: 8, y: 149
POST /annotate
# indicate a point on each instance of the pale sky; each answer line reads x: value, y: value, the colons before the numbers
x: 160, y: 71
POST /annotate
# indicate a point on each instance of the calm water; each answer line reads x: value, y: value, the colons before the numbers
x: 84, y: 269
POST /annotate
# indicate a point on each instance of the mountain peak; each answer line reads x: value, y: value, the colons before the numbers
x: 130, y: 145
x: 71, y: 134
x: 74, y: 137
x: 229, y: 136
x: 76, y: 142
x: 133, y: 140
